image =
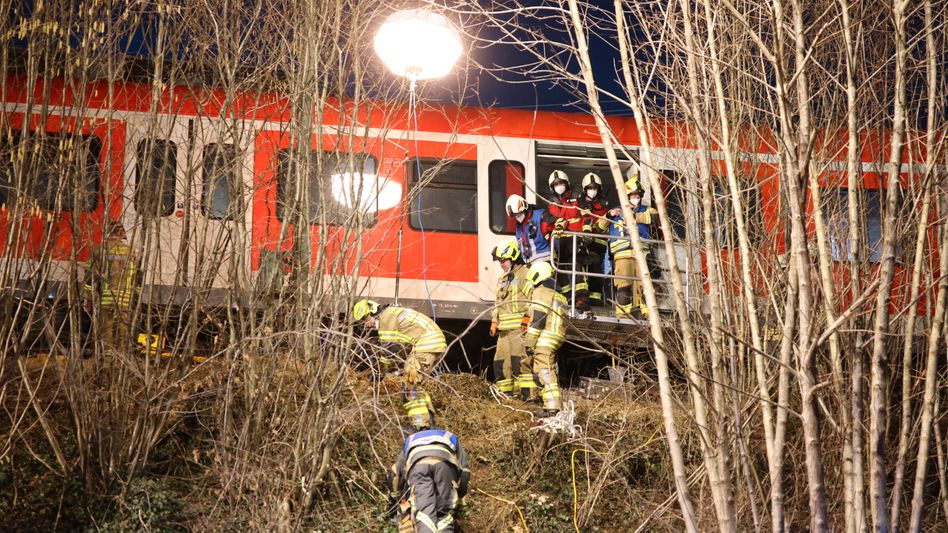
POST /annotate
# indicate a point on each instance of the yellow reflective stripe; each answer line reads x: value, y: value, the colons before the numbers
x: 446, y: 521
x: 533, y: 331
x: 393, y: 336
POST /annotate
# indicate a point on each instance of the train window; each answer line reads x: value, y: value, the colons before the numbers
x: 725, y: 227
x: 221, y: 198
x: 676, y: 202
x: 155, y: 177
x: 57, y: 171
x: 333, y: 195
x: 447, y: 195
x: 504, y: 178
x: 838, y: 216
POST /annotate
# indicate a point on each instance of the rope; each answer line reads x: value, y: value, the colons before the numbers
x: 561, y: 422
x: 508, y: 502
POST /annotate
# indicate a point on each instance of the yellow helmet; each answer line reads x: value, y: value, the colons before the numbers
x: 539, y: 272
x: 633, y: 186
x: 364, y: 308
x: 506, y: 250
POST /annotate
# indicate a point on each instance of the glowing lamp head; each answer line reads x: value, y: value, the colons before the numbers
x: 418, y: 44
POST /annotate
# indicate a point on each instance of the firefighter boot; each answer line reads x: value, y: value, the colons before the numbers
x: 417, y: 405
x: 504, y: 383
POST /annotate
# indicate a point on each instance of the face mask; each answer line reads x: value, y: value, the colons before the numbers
x: 592, y: 192
x: 635, y: 201
x: 520, y: 216
x: 559, y: 189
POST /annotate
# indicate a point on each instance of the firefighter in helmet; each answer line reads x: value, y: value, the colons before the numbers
x: 563, y: 214
x: 428, y: 482
x: 544, y: 328
x: 532, y: 232
x: 412, y: 332
x: 111, y: 283
x: 629, y: 302
x: 593, y: 208
x: 509, y: 305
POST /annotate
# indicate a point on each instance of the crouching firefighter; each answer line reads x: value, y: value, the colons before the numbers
x: 510, y: 303
x: 415, y: 334
x: 544, y: 328
x: 428, y: 481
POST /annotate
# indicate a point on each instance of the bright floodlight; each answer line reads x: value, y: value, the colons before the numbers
x: 418, y: 44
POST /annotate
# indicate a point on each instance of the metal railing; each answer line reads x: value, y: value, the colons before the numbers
x: 573, y: 272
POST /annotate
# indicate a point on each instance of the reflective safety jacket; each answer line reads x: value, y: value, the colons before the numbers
x: 592, y: 212
x: 430, y: 443
x: 411, y: 329
x: 533, y: 236
x: 547, y: 319
x: 112, y: 278
x: 622, y: 247
x: 511, y: 298
x: 565, y: 210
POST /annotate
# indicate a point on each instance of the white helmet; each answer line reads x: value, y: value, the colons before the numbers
x: 516, y: 204
x: 592, y: 179
x: 558, y: 175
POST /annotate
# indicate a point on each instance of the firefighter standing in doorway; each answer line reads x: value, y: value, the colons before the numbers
x: 110, y: 281
x: 415, y: 333
x: 509, y: 306
x: 593, y: 208
x: 544, y: 328
x: 563, y: 214
x: 428, y: 482
x: 532, y: 232
x: 629, y: 302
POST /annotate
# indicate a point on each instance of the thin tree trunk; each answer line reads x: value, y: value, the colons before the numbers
x: 661, y: 360
x: 879, y: 363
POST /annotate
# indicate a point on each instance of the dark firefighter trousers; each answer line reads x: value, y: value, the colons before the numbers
x: 433, y: 495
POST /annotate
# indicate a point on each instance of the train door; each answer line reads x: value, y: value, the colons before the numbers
x: 504, y: 167
x: 156, y: 198
x: 220, y: 170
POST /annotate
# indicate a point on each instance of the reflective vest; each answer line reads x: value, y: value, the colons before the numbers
x: 431, y: 443
x: 567, y: 210
x: 622, y: 247
x: 114, y: 267
x: 411, y: 328
x: 532, y: 237
x: 547, y: 319
x: 511, y: 298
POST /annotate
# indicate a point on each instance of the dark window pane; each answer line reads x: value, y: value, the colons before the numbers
x: 838, y: 216
x: 676, y: 202
x: 58, y: 171
x: 725, y: 220
x: 222, y: 197
x: 155, y: 178
x: 447, y: 200
x: 504, y: 178
x: 337, y: 187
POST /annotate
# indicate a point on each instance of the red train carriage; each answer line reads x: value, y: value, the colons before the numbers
x: 211, y: 185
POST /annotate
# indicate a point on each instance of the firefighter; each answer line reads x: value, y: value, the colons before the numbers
x: 110, y: 280
x: 593, y: 208
x: 629, y: 302
x: 532, y: 232
x: 563, y: 214
x: 510, y: 304
x: 428, y: 482
x: 544, y: 328
x: 410, y: 331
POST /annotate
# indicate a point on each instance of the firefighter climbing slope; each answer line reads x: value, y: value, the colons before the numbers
x: 420, y: 337
x: 509, y: 306
x: 629, y: 303
x: 428, y: 482
x: 544, y: 328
